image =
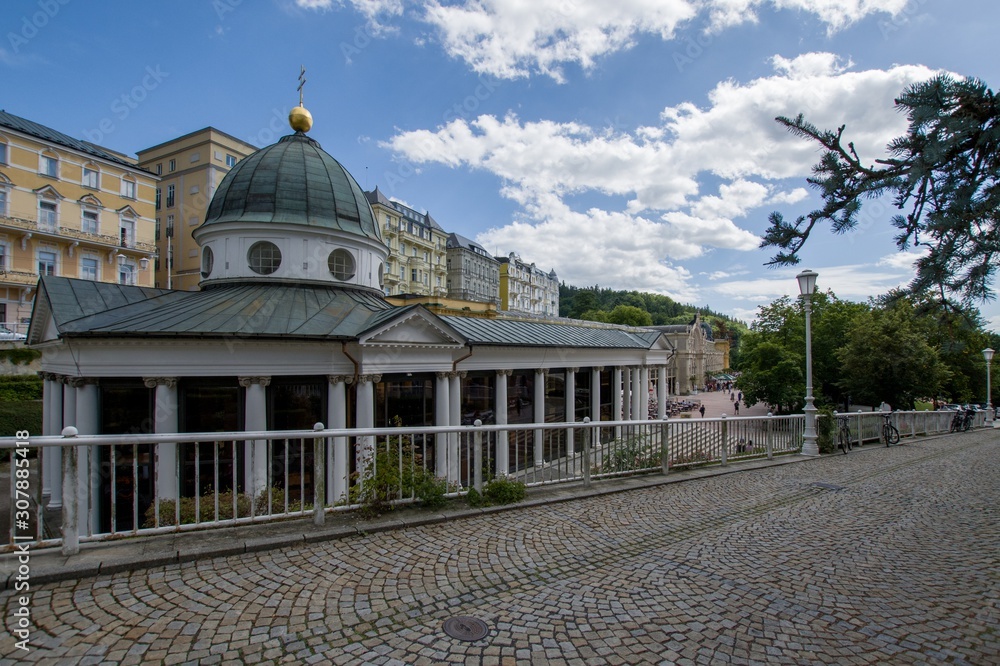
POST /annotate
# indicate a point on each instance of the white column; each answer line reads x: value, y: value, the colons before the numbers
x: 539, y: 413
x: 442, y: 405
x: 503, y: 438
x: 616, y: 393
x: 570, y: 407
x: 52, y: 425
x: 644, y: 380
x: 455, y: 418
x: 365, y: 418
x: 638, y: 395
x: 595, y: 394
x: 89, y: 480
x: 627, y: 389
x: 255, y: 459
x: 165, y: 422
x: 661, y: 392
x: 336, y: 450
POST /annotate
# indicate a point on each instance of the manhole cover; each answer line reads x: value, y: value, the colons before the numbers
x: 828, y: 486
x: 466, y: 628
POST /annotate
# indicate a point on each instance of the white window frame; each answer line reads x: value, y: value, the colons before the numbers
x: 127, y: 224
x: 126, y: 273
x: 4, y: 198
x: 3, y: 152
x: 55, y: 215
x: 93, y: 176
x: 230, y: 160
x: 48, y: 166
x: 128, y: 188
x: 4, y: 253
x: 55, y: 262
x: 97, y: 267
x: 96, y: 220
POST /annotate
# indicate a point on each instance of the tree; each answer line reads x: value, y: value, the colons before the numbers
x: 943, y: 174
x: 630, y: 315
x: 771, y: 373
x: 887, y: 357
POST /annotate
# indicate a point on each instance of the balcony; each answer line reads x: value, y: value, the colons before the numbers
x: 55, y: 232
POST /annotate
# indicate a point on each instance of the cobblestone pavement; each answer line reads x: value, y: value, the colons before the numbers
x: 882, y: 556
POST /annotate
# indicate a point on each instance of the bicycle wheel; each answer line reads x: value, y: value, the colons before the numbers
x: 892, y: 435
x: 845, y: 440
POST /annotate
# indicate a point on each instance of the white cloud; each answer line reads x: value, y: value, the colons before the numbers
x: 856, y: 282
x: 660, y: 172
x: 902, y: 261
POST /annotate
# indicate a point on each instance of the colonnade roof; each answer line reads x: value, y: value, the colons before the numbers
x: 527, y: 333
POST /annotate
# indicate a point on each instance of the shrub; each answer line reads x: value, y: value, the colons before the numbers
x: 826, y: 430
x: 503, y: 490
x: 20, y: 355
x: 205, y: 511
x: 25, y: 415
x: 18, y: 388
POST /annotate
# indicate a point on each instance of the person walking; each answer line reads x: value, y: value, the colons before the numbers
x: 736, y: 406
x: 701, y: 410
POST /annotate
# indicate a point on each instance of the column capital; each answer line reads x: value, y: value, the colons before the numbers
x: 340, y: 379
x: 572, y: 369
x: 442, y: 375
x: 373, y: 379
x: 77, y: 382
x: 458, y: 374
x: 153, y: 382
x: 246, y: 382
x: 597, y: 368
x: 508, y: 372
x: 541, y: 371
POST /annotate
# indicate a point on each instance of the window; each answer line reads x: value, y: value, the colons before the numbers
x: 207, y: 262
x: 127, y: 227
x: 46, y: 263
x: 264, y: 257
x: 341, y: 264
x: 47, y: 215
x: 128, y: 188
x: 413, y: 275
x: 3, y: 153
x: 88, y: 268
x: 156, y: 230
x: 126, y: 274
x: 402, y: 249
x: 170, y: 196
x: 230, y: 160
x: 195, y: 157
x: 170, y: 226
x: 3, y: 200
x: 89, y: 224
x: 172, y: 166
x: 159, y: 169
x: 3, y: 256
x: 50, y: 166
x: 159, y: 193
x: 90, y: 178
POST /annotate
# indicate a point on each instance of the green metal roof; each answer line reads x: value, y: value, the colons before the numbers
x: 85, y: 308
x: 44, y: 133
x: 525, y: 333
x: 293, y: 181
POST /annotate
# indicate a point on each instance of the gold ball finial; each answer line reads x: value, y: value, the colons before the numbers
x: 300, y: 119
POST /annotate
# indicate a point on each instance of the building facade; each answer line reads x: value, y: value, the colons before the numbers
x: 473, y: 273
x: 291, y: 327
x: 417, y: 246
x: 190, y: 169
x: 526, y: 289
x: 68, y: 208
x: 698, y: 355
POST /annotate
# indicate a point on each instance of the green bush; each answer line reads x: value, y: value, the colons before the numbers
x: 24, y: 415
x: 503, y: 490
x: 205, y: 511
x: 20, y: 355
x: 17, y: 388
x: 826, y: 430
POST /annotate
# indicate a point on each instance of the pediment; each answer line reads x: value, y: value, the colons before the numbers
x: 48, y: 191
x: 91, y: 200
x: 127, y: 211
x: 417, y: 327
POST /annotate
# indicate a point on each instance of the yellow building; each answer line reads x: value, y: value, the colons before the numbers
x: 190, y: 168
x: 69, y: 208
x: 526, y: 289
x: 417, y: 248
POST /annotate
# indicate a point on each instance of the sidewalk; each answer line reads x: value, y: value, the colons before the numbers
x: 718, y: 403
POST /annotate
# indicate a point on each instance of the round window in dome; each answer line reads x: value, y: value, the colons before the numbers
x: 341, y: 264
x: 264, y: 257
x: 207, y: 262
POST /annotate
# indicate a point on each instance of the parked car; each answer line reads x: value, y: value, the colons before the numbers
x: 7, y: 334
x: 951, y: 408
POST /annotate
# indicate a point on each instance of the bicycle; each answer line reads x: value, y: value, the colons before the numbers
x: 843, y: 434
x: 889, y: 433
x: 962, y: 421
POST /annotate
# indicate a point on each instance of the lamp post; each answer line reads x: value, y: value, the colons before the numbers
x: 988, y: 355
x: 807, y: 287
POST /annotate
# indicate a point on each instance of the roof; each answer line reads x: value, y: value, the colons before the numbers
x: 196, y: 133
x: 460, y: 241
x: 293, y: 181
x: 87, y: 308
x: 521, y: 333
x: 50, y: 135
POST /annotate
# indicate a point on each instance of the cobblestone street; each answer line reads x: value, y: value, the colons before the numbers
x: 881, y: 556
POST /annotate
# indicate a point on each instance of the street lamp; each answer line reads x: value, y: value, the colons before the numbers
x: 807, y: 287
x: 988, y: 355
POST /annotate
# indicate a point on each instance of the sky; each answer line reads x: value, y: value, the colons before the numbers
x: 627, y: 144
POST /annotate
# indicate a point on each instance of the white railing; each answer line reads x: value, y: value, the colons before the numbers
x: 133, y: 485
x: 866, y: 427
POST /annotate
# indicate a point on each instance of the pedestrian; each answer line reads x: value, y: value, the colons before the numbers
x: 740, y: 396
x: 702, y: 411
x: 736, y: 406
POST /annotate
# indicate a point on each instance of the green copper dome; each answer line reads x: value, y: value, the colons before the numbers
x: 293, y: 181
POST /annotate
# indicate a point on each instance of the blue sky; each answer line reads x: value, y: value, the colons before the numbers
x: 627, y: 144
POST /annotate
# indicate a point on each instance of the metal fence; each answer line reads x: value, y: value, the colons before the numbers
x: 132, y: 485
